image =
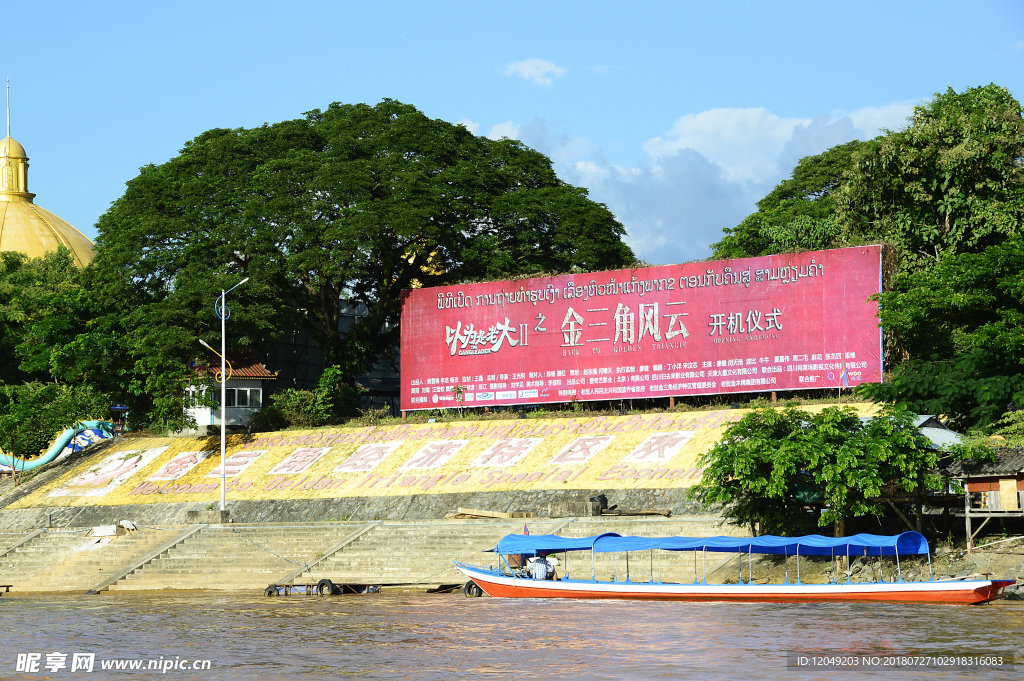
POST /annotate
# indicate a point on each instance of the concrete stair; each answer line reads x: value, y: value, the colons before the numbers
x: 235, y: 557
x: 61, y: 560
x: 249, y: 557
x: 417, y: 553
x: 9, y: 539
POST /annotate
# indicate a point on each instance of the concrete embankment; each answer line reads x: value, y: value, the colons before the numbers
x: 357, y: 504
x: 360, y: 505
x: 392, y: 554
x: 398, y: 472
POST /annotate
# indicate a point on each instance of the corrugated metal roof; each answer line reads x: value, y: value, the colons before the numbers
x: 941, y: 437
x: 1009, y: 461
x: 931, y: 427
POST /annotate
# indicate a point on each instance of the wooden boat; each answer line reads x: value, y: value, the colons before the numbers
x: 511, y: 580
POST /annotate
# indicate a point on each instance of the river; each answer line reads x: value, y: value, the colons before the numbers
x: 445, y: 636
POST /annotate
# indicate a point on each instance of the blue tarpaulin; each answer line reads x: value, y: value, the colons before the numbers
x: 531, y: 544
x: 906, y: 543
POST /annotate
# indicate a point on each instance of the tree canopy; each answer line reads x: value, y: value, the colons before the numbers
x: 951, y: 182
x: 39, y: 313
x: 959, y: 327
x: 352, y: 203
x: 945, y: 196
x: 773, y: 463
x: 799, y: 213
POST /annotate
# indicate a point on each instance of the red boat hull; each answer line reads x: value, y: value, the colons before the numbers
x: 954, y: 592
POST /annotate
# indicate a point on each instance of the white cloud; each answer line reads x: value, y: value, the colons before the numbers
x: 537, y: 71
x: 870, y: 120
x: 672, y: 210
x: 507, y: 129
x: 468, y: 124
x: 744, y: 142
x: 705, y: 173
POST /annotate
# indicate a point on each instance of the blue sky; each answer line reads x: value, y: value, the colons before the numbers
x: 677, y: 115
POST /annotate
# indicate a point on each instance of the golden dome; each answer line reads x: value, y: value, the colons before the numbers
x: 9, y: 147
x: 24, y: 226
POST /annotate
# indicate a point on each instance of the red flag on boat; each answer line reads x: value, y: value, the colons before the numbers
x: 526, y: 530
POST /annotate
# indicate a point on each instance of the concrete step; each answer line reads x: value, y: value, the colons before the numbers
x: 83, y: 563
x: 249, y: 557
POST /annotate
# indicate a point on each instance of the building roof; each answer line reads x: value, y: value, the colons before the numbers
x: 240, y: 368
x: 1009, y: 461
x: 938, y: 435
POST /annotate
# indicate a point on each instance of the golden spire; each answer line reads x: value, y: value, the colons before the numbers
x: 13, y: 164
x: 24, y: 226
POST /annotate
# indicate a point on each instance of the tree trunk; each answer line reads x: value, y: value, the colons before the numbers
x: 899, y: 513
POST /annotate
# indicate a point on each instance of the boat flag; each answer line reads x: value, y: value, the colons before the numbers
x: 526, y: 530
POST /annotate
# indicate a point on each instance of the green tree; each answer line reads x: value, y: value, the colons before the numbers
x: 1010, y: 429
x: 952, y: 182
x: 32, y: 414
x: 330, y: 402
x: 355, y: 203
x: 799, y: 213
x: 959, y: 328
x: 772, y: 464
x: 50, y: 290
x: 39, y: 312
x: 13, y: 316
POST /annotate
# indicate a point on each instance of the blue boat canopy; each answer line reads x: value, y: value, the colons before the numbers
x: 906, y: 543
x: 532, y: 544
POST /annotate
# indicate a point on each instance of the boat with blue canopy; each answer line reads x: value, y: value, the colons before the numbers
x: 513, y: 578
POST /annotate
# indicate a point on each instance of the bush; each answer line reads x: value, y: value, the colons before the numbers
x: 331, y: 402
x: 268, y: 419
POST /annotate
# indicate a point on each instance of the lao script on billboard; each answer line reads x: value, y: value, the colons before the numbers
x: 780, y: 322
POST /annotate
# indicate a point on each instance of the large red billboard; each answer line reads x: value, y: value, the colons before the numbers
x: 777, y: 322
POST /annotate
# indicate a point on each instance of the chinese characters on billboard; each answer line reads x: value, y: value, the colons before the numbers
x: 779, y: 322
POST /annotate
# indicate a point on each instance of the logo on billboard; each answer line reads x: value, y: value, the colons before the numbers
x: 506, y: 394
x: 528, y: 393
x: 484, y: 397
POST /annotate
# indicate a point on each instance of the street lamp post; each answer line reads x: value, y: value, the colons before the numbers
x: 223, y: 312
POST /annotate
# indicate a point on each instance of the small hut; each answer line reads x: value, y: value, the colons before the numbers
x: 992, y: 489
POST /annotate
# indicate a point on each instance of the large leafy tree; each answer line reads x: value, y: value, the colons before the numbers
x: 39, y: 312
x: 12, y: 313
x: 799, y: 213
x: 960, y: 330
x: 939, y: 195
x: 771, y: 464
x: 352, y: 203
x: 951, y: 182
x: 32, y: 413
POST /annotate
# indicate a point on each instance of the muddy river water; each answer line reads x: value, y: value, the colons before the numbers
x: 433, y: 636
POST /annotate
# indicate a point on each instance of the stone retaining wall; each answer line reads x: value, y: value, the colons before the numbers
x: 413, y: 507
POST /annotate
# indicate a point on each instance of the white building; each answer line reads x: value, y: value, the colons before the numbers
x: 243, y: 395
